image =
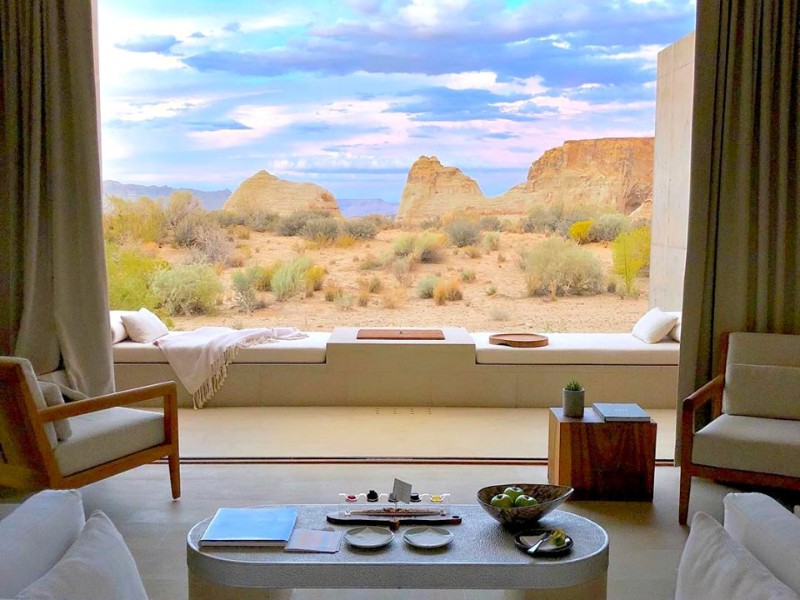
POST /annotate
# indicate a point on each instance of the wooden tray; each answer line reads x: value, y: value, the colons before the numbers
x: 400, y: 334
x: 519, y: 340
x: 392, y: 522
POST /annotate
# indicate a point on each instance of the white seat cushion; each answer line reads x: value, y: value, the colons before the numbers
x: 579, y: 349
x: 749, y: 444
x: 714, y: 566
x: 762, y: 391
x: 769, y: 531
x: 106, y: 435
x: 309, y: 350
x: 35, y: 535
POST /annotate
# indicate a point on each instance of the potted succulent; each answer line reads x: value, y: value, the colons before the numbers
x: 572, y: 399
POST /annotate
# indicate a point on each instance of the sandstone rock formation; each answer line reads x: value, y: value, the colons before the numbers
x: 616, y: 173
x: 266, y: 192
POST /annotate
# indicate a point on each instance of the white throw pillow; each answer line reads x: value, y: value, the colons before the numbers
x: 675, y: 332
x: 769, y: 531
x: 714, y: 566
x: 118, y: 332
x: 143, y: 326
x: 654, y: 325
x: 36, y: 535
x: 97, y: 565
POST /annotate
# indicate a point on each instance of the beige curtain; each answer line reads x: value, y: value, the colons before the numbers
x: 54, y: 300
x: 743, y: 255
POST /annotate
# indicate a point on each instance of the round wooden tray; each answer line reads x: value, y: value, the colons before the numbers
x: 519, y: 340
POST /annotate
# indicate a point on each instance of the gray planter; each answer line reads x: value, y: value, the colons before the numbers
x: 572, y: 402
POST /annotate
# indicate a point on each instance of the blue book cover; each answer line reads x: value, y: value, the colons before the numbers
x: 257, y: 526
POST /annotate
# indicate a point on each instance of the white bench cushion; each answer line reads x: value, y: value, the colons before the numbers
x: 309, y: 350
x: 769, y: 531
x: 749, y: 444
x: 579, y: 349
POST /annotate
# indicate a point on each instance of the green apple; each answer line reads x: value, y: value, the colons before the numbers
x: 513, y: 491
x: 525, y: 500
x: 502, y: 501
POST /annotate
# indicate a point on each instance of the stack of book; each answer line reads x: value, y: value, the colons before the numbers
x: 620, y: 412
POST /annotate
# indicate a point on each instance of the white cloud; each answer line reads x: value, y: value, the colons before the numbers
x: 137, y: 110
x: 431, y: 13
x: 487, y: 80
x: 647, y: 54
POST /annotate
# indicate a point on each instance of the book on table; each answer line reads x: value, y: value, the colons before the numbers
x: 314, y: 540
x: 256, y: 526
x: 618, y: 411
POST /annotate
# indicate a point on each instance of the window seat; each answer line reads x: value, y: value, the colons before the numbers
x: 337, y: 369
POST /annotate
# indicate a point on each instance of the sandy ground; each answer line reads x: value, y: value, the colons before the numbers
x: 508, y: 309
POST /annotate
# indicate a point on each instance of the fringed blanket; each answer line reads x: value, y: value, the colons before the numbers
x: 200, y: 358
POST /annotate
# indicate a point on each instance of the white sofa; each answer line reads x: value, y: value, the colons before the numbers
x: 464, y: 369
x: 49, y: 550
x: 755, y: 556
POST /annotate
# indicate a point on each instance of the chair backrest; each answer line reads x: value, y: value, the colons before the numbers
x: 762, y: 375
x: 25, y: 441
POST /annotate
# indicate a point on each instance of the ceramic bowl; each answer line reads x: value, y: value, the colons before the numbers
x: 523, y: 517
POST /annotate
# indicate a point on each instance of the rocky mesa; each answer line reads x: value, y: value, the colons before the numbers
x: 266, y: 192
x: 616, y: 173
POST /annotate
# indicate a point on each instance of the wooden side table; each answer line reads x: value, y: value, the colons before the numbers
x: 602, y: 461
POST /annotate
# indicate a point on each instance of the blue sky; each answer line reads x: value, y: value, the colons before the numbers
x: 347, y: 94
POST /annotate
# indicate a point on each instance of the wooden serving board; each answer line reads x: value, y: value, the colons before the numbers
x: 400, y: 334
x: 392, y: 521
x: 519, y: 340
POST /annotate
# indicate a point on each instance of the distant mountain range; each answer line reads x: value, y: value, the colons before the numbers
x: 214, y: 200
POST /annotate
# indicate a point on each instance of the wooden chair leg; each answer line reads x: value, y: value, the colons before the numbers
x: 175, y: 474
x: 685, y: 489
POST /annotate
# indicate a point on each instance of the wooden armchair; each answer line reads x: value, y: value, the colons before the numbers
x: 71, y: 445
x: 753, y: 437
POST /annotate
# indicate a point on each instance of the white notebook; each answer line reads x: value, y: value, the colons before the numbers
x: 614, y: 411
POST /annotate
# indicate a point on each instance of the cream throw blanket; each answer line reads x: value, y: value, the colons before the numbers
x: 200, y: 358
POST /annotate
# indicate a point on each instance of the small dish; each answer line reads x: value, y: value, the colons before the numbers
x: 428, y: 537
x: 368, y: 537
x: 527, y: 539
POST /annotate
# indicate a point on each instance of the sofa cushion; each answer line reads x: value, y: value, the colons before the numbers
x: 143, y: 326
x: 105, y: 435
x: 654, y: 326
x: 749, y: 444
x: 578, y: 349
x: 714, y: 566
x: 764, y: 349
x: 769, y: 531
x: 97, y: 565
x: 35, y: 535
x: 53, y: 397
x: 762, y: 391
x: 309, y: 350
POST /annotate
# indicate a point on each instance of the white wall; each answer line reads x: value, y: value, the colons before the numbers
x: 671, y: 169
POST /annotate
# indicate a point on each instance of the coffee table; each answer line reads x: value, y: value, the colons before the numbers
x: 481, y: 557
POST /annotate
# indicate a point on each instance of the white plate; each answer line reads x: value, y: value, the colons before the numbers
x: 368, y: 537
x: 428, y: 537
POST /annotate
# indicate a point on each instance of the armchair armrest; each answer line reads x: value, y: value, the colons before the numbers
x: 166, y: 390
x: 711, y: 393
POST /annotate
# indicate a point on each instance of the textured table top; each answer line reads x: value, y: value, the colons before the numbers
x: 482, y: 556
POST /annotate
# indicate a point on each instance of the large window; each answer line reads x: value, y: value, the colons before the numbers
x: 287, y: 124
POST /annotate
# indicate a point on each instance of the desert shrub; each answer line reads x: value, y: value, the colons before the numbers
x: 556, y: 218
x: 141, y: 220
x: 490, y: 241
x: 462, y: 233
x: 187, y: 230
x: 345, y: 241
x: 426, y: 285
x: 235, y: 261
x: 401, y: 269
x: 497, y: 313
x: 608, y: 226
x: 449, y: 289
x: 490, y: 224
x: 501, y: 258
x: 558, y: 267
x: 227, y: 218
x: 370, y: 263
x: 631, y: 253
x: 241, y: 232
x: 261, y: 220
x: 473, y: 251
x: 263, y: 279
x: 428, y: 248
x: 361, y: 229
x: 244, y: 292
x: 393, y: 297
x: 292, y: 224
x: 381, y: 222
x: 130, y: 272
x: 404, y: 245
x: 181, y: 205
x: 363, y: 297
x: 467, y: 275
x: 188, y: 289
x: 579, y: 232
x: 323, y: 231
x: 538, y: 220
x: 212, y: 245
x: 491, y: 290
x: 375, y: 285
x: 344, y: 302
x: 431, y: 223
x: 314, y: 277
x: 332, y: 291
x: 288, y: 278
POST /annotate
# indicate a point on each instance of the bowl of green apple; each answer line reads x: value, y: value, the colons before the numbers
x: 518, y: 506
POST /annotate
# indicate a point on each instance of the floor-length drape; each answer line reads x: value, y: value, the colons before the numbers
x: 743, y: 251
x: 54, y: 307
